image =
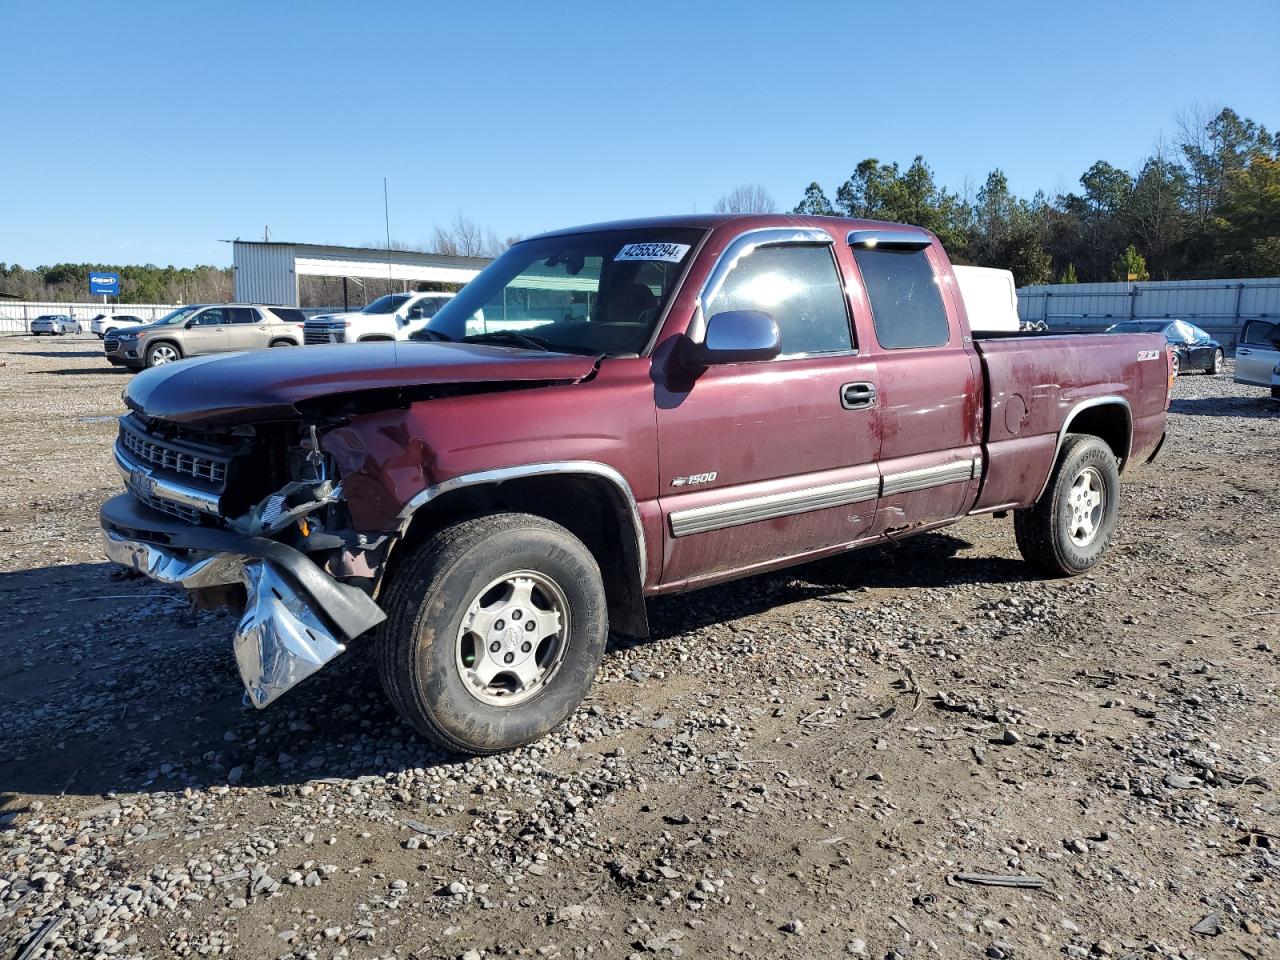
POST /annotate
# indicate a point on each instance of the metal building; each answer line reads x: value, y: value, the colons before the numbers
x: 268, y: 272
x: 1219, y: 306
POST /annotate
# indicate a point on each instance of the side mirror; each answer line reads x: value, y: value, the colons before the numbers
x: 736, y: 336
x: 415, y: 313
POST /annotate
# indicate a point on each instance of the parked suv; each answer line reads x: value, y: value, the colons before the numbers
x: 393, y: 317
x: 54, y: 324
x: 201, y: 329
x: 1258, y: 353
x: 104, y: 323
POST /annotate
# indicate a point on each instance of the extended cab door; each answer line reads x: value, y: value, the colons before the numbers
x: 929, y: 379
x: 771, y: 459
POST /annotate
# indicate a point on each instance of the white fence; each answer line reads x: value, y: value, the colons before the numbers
x: 1219, y: 306
x: 16, y: 315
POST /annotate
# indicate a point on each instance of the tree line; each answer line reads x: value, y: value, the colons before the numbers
x: 1207, y: 205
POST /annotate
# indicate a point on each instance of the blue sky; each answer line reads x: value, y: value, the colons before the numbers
x: 147, y: 132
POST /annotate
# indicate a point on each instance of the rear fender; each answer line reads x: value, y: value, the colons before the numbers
x: 1108, y: 418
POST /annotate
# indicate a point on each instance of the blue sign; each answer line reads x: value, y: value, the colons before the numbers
x: 108, y: 283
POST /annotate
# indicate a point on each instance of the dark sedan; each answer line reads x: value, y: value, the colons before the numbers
x: 1193, y: 349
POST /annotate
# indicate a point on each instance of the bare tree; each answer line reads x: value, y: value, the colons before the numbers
x: 748, y: 198
x: 463, y: 237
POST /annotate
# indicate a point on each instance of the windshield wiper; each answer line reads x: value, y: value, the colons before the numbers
x: 510, y: 337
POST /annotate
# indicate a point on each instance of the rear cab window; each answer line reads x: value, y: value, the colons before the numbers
x: 902, y: 289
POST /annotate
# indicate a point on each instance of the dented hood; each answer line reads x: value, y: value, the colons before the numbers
x: 269, y: 384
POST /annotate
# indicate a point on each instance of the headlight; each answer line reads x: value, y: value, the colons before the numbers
x: 127, y: 336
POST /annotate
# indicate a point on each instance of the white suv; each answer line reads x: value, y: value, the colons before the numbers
x: 393, y: 317
x: 105, y: 323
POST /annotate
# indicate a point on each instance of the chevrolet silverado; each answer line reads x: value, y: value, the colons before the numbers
x: 650, y: 407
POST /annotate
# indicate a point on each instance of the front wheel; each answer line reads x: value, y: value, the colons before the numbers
x: 1219, y: 358
x: 161, y: 353
x: 495, y: 629
x: 1070, y: 527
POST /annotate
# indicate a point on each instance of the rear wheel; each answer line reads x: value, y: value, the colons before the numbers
x: 1177, y: 364
x: 1219, y: 358
x: 1070, y: 527
x: 495, y: 629
x: 159, y: 354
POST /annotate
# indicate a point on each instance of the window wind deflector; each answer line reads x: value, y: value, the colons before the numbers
x: 889, y: 239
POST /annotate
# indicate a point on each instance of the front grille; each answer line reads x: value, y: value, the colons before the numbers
x: 172, y: 456
x: 188, y: 514
x: 111, y: 344
x: 179, y: 455
x: 316, y: 333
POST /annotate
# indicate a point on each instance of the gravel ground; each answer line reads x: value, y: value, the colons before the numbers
x: 808, y: 764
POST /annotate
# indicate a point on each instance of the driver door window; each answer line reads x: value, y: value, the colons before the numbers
x: 798, y: 286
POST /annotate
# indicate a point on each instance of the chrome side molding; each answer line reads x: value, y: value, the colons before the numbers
x: 770, y: 507
x: 775, y: 505
x: 910, y: 481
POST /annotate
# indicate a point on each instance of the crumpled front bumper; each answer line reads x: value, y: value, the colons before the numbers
x: 296, y: 618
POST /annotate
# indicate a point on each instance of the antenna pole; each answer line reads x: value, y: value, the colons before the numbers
x: 386, y: 214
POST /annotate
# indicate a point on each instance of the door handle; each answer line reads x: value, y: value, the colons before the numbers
x: 1244, y: 353
x: 857, y: 396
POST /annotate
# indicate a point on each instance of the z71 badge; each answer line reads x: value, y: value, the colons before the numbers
x: 1148, y: 355
x: 692, y: 479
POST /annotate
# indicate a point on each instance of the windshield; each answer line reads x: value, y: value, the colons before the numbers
x: 387, y: 304
x: 597, y: 293
x: 177, y: 316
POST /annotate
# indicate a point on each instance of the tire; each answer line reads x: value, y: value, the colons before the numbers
x: 464, y: 575
x: 1047, y: 533
x: 163, y: 352
x: 282, y: 343
x: 1177, y: 363
x: 1215, y: 367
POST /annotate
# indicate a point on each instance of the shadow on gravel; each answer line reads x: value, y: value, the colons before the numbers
x: 58, y: 354
x: 82, y: 371
x: 927, y: 560
x: 108, y: 688
x: 1261, y: 406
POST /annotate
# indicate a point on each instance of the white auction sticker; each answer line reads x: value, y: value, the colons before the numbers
x: 666, y: 252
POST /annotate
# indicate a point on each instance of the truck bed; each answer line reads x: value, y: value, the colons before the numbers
x: 1039, y: 385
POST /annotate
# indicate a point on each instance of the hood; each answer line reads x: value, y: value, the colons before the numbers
x: 132, y: 328
x: 237, y: 388
x: 328, y: 317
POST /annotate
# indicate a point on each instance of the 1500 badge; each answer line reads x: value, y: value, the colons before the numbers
x: 692, y: 479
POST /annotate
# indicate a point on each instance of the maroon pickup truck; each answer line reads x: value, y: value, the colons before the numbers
x: 608, y: 414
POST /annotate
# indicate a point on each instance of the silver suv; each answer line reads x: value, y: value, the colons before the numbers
x: 204, y: 328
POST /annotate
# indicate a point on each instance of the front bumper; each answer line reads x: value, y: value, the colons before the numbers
x: 296, y: 619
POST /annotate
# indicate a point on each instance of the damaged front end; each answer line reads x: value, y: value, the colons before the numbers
x: 250, y: 518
